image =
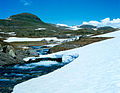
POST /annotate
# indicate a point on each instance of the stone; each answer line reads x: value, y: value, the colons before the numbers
x: 33, y: 52
x: 12, y: 53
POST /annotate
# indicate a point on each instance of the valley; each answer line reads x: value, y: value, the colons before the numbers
x: 25, y: 36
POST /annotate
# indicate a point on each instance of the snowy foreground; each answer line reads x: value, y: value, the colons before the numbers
x: 96, y: 70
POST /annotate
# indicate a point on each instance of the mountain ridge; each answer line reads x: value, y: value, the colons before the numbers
x: 29, y: 25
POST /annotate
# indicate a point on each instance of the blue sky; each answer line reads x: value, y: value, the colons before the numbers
x: 70, y: 12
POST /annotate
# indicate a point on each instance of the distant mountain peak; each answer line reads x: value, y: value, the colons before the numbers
x: 24, y: 16
x: 88, y: 26
x: 22, y: 19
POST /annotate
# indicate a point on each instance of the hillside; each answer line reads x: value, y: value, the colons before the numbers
x: 26, y: 24
x: 24, y: 19
x: 29, y: 25
x: 88, y: 26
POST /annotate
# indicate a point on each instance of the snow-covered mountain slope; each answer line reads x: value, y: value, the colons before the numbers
x: 96, y: 70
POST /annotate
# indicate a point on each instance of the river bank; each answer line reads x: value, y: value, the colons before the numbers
x: 10, y: 75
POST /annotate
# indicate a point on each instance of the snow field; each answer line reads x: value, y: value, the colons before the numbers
x: 96, y: 70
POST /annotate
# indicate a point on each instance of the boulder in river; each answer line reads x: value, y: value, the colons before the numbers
x: 6, y: 59
x: 33, y: 52
x: 10, y: 50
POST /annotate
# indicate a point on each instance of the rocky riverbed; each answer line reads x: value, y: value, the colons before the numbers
x: 14, y: 70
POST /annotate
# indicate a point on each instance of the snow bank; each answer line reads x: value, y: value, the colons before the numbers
x: 18, y: 39
x: 95, y: 29
x: 66, y: 58
x: 51, y: 45
x: 96, y: 70
x: 112, y: 34
x: 9, y: 33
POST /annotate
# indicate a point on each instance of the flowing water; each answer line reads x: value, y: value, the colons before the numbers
x: 15, y: 74
x: 12, y: 75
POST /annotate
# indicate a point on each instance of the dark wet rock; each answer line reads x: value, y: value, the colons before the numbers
x: 20, y: 54
x: 9, y: 56
x: 45, y: 59
x: 6, y: 59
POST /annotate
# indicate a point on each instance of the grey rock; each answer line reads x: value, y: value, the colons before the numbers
x: 6, y: 59
x: 33, y: 52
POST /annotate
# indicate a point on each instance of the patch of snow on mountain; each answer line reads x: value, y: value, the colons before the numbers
x: 2, y: 32
x: 95, y: 29
x: 62, y: 25
x: 69, y: 27
x: 8, y: 18
x: 40, y: 29
x: 74, y: 28
x: 9, y: 33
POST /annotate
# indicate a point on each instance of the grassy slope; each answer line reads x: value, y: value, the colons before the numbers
x: 25, y: 24
x: 77, y: 43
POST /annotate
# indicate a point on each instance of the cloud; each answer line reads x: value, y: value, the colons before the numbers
x: 105, y: 22
x: 26, y: 2
x: 95, y: 23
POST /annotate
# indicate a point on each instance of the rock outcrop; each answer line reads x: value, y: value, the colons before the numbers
x: 9, y: 50
x: 9, y: 55
x: 6, y: 59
